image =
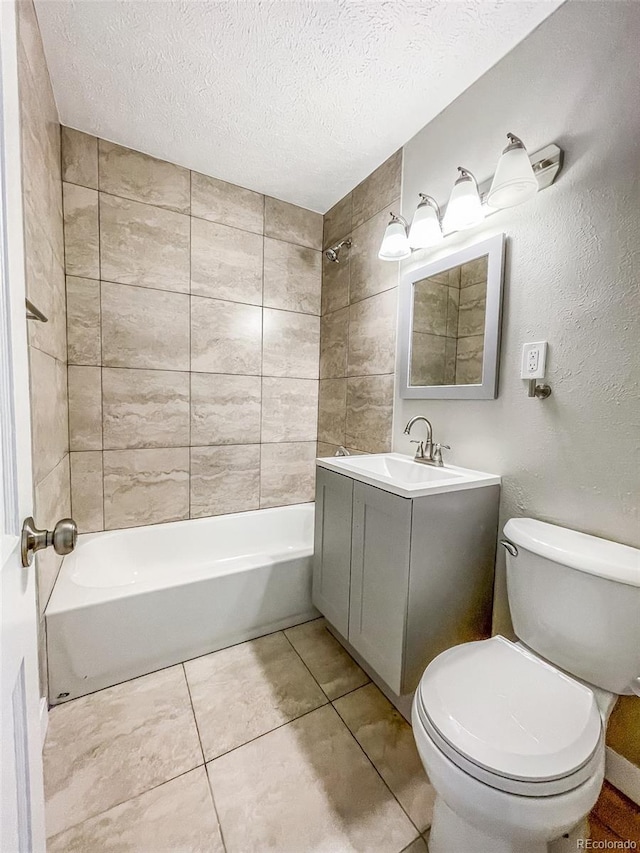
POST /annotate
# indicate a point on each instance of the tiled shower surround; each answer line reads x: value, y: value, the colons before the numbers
x: 358, y: 327
x: 193, y: 341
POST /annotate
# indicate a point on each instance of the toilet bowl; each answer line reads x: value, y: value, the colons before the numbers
x: 513, y: 747
x: 512, y: 734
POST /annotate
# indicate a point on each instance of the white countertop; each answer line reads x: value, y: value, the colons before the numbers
x: 401, y: 475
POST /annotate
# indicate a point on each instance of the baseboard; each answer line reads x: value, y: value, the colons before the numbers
x: 623, y: 775
x: 44, y: 719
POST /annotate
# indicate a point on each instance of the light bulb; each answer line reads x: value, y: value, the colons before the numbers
x: 514, y: 180
x: 395, y: 245
x: 465, y: 208
x: 425, y: 228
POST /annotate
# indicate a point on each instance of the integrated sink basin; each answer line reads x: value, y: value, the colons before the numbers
x: 401, y: 475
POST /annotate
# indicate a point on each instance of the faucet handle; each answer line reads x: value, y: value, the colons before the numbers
x: 437, y: 452
x: 419, y: 449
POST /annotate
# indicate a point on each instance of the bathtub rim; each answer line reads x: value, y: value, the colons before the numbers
x: 68, y: 595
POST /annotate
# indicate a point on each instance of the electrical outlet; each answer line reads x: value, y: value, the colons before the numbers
x: 534, y: 357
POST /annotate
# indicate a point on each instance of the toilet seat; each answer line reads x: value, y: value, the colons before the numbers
x: 510, y: 719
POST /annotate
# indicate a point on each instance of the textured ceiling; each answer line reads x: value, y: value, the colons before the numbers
x: 297, y: 99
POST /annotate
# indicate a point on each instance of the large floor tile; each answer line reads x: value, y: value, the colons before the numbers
x: 110, y: 746
x: 247, y: 690
x: 388, y: 741
x: 176, y: 817
x: 334, y: 670
x: 417, y: 846
x: 306, y: 788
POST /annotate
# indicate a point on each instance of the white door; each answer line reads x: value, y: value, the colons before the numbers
x: 21, y: 791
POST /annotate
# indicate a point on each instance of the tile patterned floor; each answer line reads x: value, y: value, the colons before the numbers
x: 278, y: 745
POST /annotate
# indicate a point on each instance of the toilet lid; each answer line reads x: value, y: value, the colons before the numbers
x: 509, y: 712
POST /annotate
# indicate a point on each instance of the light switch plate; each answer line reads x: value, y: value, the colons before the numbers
x: 534, y: 359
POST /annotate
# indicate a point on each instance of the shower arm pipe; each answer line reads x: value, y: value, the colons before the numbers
x: 332, y: 252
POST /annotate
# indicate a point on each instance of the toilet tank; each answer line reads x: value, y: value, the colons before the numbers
x: 575, y: 600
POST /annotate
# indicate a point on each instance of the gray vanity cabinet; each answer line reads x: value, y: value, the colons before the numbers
x: 401, y: 579
x: 332, y: 548
x: 380, y: 551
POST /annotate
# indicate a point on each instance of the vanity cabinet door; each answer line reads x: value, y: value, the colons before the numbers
x: 332, y: 548
x: 380, y: 551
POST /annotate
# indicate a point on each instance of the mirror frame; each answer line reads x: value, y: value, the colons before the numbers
x: 494, y: 248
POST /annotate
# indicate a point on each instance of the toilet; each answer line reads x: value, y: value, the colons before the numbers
x: 512, y: 734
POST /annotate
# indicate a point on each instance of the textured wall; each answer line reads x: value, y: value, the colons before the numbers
x: 358, y: 328
x: 44, y: 252
x: 571, y: 278
x: 193, y: 341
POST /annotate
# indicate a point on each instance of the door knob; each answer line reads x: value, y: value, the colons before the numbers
x: 63, y: 537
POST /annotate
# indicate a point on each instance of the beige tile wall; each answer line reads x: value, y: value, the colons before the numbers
x: 358, y: 326
x: 193, y: 341
x: 44, y: 257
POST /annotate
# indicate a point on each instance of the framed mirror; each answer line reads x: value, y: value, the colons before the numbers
x: 450, y: 313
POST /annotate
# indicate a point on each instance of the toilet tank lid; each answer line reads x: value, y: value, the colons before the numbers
x: 610, y: 560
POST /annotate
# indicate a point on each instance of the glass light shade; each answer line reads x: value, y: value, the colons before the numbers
x: 514, y: 181
x: 425, y: 228
x: 465, y: 208
x: 395, y: 245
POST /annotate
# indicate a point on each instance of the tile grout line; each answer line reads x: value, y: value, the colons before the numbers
x: 195, y: 719
x: 166, y: 209
x: 190, y: 333
x: 348, y: 342
x: 268, y: 732
x: 304, y: 663
x: 213, y: 298
x: 102, y: 477
x: 101, y: 337
x: 264, y: 243
x: 197, y: 518
x: 404, y: 811
x: 66, y: 322
x: 332, y: 702
x: 124, y: 802
x: 209, y: 372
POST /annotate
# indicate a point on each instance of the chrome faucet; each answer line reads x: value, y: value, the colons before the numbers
x: 426, y: 452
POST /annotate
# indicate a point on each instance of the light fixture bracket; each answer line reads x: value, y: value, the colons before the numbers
x: 465, y: 175
x: 514, y: 142
x: 429, y: 201
x: 396, y: 217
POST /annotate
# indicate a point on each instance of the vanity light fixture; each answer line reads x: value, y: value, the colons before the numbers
x: 514, y: 181
x: 425, y: 228
x: 395, y: 244
x: 465, y: 207
x: 518, y: 177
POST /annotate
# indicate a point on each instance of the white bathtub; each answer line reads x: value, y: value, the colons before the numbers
x: 128, y: 602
